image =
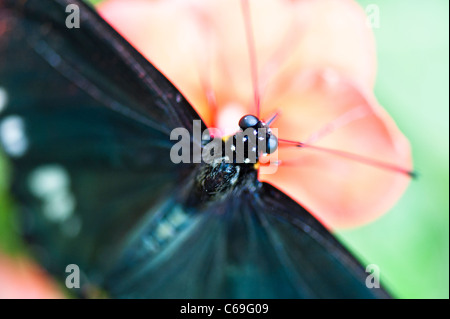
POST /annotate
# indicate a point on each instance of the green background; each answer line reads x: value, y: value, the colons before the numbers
x: 410, y: 244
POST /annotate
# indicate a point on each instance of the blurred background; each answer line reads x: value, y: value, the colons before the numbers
x: 410, y: 244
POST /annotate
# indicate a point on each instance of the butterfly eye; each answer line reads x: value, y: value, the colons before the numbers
x: 249, y: 121
x: 272, y: 144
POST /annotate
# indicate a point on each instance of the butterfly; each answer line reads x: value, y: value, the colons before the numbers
x: 86, y: 121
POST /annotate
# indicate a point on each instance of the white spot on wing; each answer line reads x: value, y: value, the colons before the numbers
x: 60, y: 207
x: 3, y: 99
x: 48, y: 179
x: 164, y: 231
x: 51, y: 184
x: 13, y: 136
x: 178, y: 217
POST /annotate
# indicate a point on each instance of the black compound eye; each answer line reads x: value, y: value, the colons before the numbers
x: 272, y: 144
x: 248, y: 121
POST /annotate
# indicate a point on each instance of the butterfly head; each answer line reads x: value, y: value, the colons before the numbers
x: 255, y: 138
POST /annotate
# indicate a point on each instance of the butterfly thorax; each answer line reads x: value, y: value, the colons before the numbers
x: 233, y: 161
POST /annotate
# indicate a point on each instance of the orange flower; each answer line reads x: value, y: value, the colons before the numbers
x: 20, y: 278
x: 315, y: 65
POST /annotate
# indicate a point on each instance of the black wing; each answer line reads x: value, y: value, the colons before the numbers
x: 85, y: 120
x: 257, y: 243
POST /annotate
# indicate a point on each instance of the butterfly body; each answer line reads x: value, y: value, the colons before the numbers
x: 233, y: 160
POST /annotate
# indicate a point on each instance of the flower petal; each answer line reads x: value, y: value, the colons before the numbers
x: 201, y: 45
x: 339, y: 191
x: 22, y: 279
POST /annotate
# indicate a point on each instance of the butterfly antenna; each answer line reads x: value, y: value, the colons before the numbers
x: 354, y: 157
x: 273, y: 118
x: 252, y: 53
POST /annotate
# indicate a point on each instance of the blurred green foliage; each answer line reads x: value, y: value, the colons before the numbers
x: 9, y: 242
x: 410, y: 244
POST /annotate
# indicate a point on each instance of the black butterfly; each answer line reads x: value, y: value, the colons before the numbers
x: 86, y: 123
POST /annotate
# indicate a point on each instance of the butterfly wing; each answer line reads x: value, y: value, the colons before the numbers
x: 257, y: 243
x: 85, y: 121
x: 94, y: 57
x: 319, y: 262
